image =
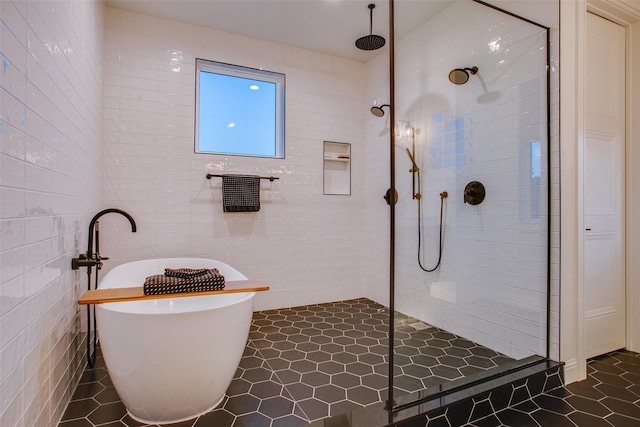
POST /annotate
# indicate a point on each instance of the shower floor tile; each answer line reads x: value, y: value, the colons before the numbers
x: 306, y: 363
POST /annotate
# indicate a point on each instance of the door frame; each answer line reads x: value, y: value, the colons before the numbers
x: 572, y: 112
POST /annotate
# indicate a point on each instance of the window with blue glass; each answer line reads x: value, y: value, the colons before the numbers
x: 239, y: 110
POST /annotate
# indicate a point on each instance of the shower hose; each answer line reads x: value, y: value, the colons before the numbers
x: 443, y: 196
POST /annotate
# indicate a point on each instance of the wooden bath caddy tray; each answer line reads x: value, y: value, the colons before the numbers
x: 101, y: 296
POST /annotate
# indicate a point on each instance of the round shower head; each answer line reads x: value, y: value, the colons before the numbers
x: 460, y: 76
x: 372, y: 41
x: 378, y: 111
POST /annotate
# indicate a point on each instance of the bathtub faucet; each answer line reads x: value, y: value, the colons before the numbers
x: 91, y: 258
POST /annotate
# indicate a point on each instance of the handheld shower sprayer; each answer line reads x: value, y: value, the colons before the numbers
x: 405, y: 132
x: 413, y: 160
x: 416, y: 187
x: 417, y: 195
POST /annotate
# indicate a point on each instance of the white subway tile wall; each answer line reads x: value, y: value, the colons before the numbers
x: 491, y: 286
x: 96, y: 111
x: 50, y: 184
x: 377, y: 181
x: 305, y: 245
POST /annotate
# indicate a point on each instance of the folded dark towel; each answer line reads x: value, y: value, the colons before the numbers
x: 240, y: 193
x: 210, y: 280
x: 184, y: 273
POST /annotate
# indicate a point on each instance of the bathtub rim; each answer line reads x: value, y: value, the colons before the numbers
x: 159, y: 306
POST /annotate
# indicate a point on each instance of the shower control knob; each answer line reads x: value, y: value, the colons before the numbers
x: 387, y: 197
x: 82, y: 261
x: 474, y: 193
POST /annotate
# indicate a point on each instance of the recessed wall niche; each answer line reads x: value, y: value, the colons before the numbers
x: 337, y: 168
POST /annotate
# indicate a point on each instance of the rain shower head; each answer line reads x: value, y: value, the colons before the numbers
x: 378, y: 111
x: 372, y: 41
x: 460, y: 76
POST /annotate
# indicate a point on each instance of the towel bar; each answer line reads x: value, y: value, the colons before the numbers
x: 270, y: 178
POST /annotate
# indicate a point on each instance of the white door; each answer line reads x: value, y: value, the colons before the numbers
x: 604, y: 187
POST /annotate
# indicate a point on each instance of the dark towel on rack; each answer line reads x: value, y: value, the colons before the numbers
x: 184, y: 273
x: 240, y: 193
x: 210, y: 280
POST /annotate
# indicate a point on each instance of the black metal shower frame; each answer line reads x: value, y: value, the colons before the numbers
x: 418, y: 398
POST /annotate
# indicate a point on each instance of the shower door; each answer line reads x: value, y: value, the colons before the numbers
x: 471, y: 271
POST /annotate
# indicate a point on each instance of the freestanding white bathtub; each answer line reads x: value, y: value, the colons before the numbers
x: 172, y: 359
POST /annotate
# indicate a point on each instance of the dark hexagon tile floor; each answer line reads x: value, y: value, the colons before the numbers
x: 609, y: 397
x: 307, y: 363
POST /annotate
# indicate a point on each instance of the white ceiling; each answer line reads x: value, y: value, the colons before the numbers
x: 327, y: 26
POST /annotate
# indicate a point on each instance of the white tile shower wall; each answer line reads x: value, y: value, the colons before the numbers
x: 377, y: 178
x: 491, y: 285
x: 306, y: 246
x: 50, y: 131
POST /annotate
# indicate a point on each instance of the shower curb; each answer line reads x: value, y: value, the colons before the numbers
x: 462, y: 407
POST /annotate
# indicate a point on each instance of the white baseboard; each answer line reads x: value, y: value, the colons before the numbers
x: 571, y: 372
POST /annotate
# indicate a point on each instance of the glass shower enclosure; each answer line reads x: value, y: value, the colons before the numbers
x: 470, y: 233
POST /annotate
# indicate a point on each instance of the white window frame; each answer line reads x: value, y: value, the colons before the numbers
x: 249, y: 73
